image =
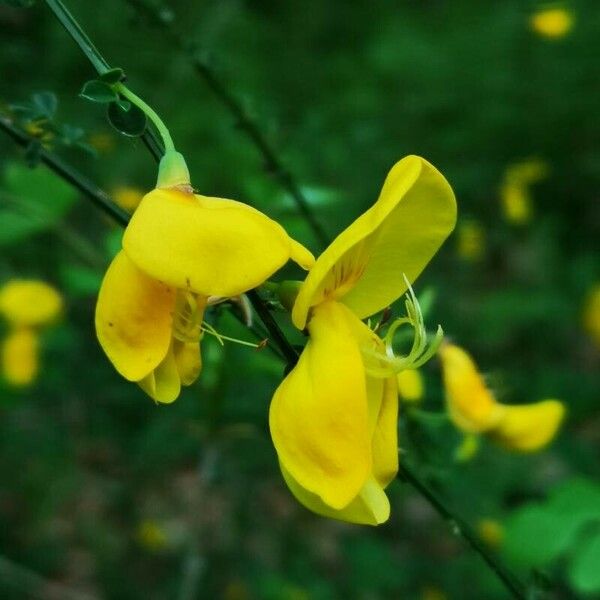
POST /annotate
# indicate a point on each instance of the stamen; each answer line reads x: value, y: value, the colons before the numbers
x: 208, y: 328
x: 387, y: 364
x: 187, y: 322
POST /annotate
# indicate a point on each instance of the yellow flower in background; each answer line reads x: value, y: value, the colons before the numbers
x: 470, y: 244
x: 591, y: 314
x: 552, y: 22
x: 473, y: 408
x: 20, y: 362
x: 29, y: 302
x: 491, y: 532
x: 333, y: 419
x: 152, y: 535
x: 127, y: 197
x: 27, y: 305
x: 410, y: 385
x: 179, y: 249
x: 515, y: 192
x: 102, y: 142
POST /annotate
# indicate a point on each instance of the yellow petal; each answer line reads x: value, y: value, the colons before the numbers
x: 410, y: 385
x: 471, y: 405
x: 134, y: 317
x: 20, y: 351
x: 385, y: 436
x: 364, y: 266
x: 210, y: 246
x: 28, y: 302
x: 188, y: 360
x: 370, y: 506
x: 163, y: 384
x: 529, y: 427
x: 319, y: 416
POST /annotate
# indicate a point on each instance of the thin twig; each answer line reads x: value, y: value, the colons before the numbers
x: 273, y: 164
x: 460, y: 527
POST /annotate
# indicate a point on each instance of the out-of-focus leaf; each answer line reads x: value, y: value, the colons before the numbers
x: 584, y: 571
x: 130, y: 122
x: 31, y: 200
x: 80, y: 281
x: 535, y: 535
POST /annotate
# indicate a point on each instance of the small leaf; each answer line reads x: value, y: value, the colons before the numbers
x: 98, y: 91
x: 45, y: 104
x: 584, y: 571
x: 113, y: 76
x: 130, y: 122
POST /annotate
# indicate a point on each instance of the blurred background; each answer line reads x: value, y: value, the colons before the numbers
x: 105, y: 495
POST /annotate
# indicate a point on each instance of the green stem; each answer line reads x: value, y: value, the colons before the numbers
x: 460, y: 527
x: 61, y: 12
x: 150, y: 113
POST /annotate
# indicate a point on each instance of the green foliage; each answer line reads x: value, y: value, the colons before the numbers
x: 341, y: 91
x: 34, y: 200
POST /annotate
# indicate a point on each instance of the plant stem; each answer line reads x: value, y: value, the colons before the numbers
x: 460, y: 527
x: 68, y: 173
x: 273, y: 163
x: 122, y: 89
x: 68, y: 21
x: 62, y: 13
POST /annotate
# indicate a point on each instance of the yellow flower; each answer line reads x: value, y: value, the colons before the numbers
x: 127, y: 197
x: 591, y: 314
x: 515, y: 194
x: 474, y: 409
x: 179, y: 249
x: 29, y: 302
x: 20, y: 351
x: 27, y: 305
x: 333, y: 419
x: 152, y: 535
x: 470, y: 244
x: 410, y: 385
x: 553, y: 22
x: 491, y: 532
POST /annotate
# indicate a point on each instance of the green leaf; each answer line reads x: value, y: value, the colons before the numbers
x: 98, y: 91
x: 584, y: 571
x: 130, y: 122
x: 80, y: 281
x: 536, y: 534
x: 45, y: 104
x: 113, y: 76
x: 31, y: 200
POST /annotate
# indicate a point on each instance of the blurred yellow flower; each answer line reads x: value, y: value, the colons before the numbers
x: 27, y: 305
x: 433, y: 592
x: 474, y: 409
x: 491, y: 532
x: 29, y: 302
x: 591, y: 314
x: 101, y: 142
x: 410, y: 385
x: 178, y: 249
x: 127, y: 197
x: 20, y: 351
x: 515, y: 193
x: 552, y: 22
x: 333, y: 419
x: 152, y: 535
x: 470, y: 244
